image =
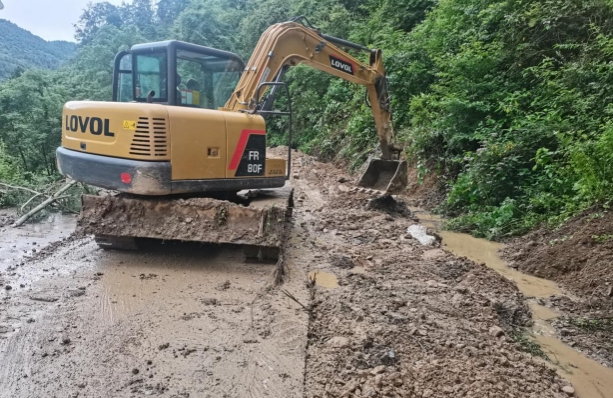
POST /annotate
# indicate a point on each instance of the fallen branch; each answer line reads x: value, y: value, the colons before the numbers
x: 29, y: 201
x: 291, y: 296
x: 19, y: 188
x: 56, y: 196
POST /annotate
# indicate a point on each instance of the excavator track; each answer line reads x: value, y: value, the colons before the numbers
x: 258, y: 223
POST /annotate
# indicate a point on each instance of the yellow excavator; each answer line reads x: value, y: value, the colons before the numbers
x: 181, y: 150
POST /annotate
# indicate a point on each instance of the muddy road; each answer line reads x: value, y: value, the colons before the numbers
x: 364, y: 310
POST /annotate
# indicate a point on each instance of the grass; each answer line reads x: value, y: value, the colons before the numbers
x: 526, y: 344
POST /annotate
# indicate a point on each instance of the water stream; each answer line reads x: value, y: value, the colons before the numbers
x: 589, y: 378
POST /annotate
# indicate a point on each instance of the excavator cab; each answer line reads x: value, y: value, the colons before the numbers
x: 176, y: 73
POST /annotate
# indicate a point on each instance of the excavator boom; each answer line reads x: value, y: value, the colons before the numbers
x: 291, y: 43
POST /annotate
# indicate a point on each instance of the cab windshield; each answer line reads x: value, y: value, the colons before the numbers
x: 202, y: 80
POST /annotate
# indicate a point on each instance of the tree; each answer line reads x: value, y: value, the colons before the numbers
x: 94, y: 17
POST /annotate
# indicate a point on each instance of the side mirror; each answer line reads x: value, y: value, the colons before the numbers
x: 150, y: 96
x: 1, y: 5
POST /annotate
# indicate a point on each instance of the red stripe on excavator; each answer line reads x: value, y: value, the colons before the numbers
x: 240, y: 148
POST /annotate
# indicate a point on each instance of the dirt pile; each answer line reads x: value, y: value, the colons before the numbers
x: 406, y: 320
x: 577, y: 256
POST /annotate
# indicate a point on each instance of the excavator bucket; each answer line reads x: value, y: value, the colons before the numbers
x: 259, y: 224
x: 389, y: 176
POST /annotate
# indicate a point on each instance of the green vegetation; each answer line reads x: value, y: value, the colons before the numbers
x: 21, y: 50
x: 508, y: 101
x: 526, y: 344
x: 588, y: 325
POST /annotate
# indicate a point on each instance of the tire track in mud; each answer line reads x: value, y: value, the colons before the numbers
x: 177, y: 320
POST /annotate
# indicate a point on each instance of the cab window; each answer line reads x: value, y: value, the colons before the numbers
x: 150, y: 75
x: 205, y: 81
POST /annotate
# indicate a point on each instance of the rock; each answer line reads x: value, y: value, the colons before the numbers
x: 610, y: 291
x: 44, y: 299
x: 568, y: 390
x: 163, y: 346
x: 344, y: 188
x: 378, y: 370
x: 135, y: 371
x: 427, y: 393
x: 76, y: 293
x: 65, y: 341
x: 296, y: 177
x: 496, y: 331
x: 433, y: 254
x: 338, y: 342
x: 8, y: 287
x: 566, y: 332
x: 419, y: 232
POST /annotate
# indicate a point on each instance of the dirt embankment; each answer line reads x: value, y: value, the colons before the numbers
x: 577, y: 256
x: 386, y: 316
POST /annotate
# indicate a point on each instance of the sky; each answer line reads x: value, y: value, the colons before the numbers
x: 49, y: 19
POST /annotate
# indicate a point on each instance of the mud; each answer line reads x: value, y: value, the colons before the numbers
x: 17, y: 244
x: 384, y: 315
x: 588, y: 377
x: 577, y: 256
x: 177, y: 320
x: 262, y: 223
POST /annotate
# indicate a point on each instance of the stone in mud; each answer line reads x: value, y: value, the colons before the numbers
x: 44, y: 299
x: 420, y: 233
x: 76, y: 292
x: 496, y: 331
x: 433, y: 254
x: 568, y: 390
x: 338, y: 342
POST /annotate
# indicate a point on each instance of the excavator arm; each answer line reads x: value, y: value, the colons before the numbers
x: 291, y: 43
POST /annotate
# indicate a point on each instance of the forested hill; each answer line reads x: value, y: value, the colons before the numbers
x: 509, y: 103
x: 20, y: 49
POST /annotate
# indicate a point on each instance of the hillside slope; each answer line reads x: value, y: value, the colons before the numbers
x: 21, y: 49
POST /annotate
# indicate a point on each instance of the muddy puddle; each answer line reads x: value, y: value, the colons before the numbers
x: 324, y: 279
x: 17, y: 243
x: 588, y: 377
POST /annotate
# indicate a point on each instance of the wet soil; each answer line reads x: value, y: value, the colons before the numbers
x: 406, y: 320
x: 17, y: 244
x: 589, y: 378
x: 578, y: 257
x: 364, y: 310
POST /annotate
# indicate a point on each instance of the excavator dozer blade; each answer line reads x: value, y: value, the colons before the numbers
x: 389, y: 176
x: 261, y: 227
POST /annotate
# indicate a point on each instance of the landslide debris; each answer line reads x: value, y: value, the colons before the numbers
x: 406, y: 320
x: 578, y: 257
